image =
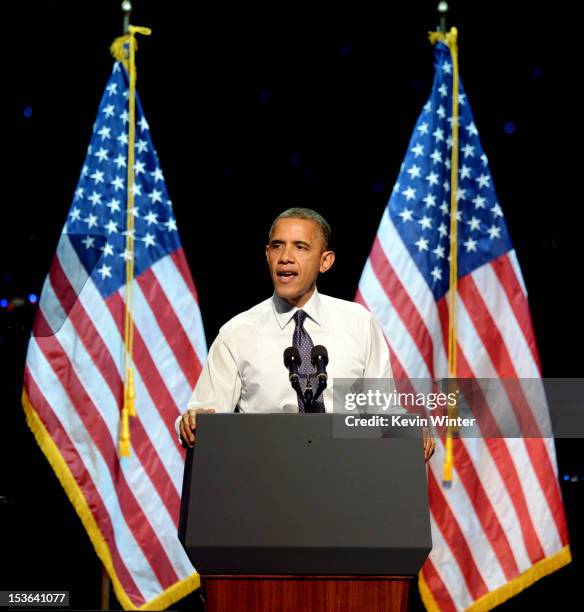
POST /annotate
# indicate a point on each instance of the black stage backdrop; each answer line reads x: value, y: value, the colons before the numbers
x: 253, y: 110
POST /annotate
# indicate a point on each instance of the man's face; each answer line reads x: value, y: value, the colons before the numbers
x: 295, y: 257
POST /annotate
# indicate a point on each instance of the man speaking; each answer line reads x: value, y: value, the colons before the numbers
x: 245, y: 365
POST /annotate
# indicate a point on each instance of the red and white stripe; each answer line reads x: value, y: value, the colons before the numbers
x: 74, y: 382
x: 504, y: 511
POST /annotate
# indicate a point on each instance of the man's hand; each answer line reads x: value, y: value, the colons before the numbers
x: 188, y: 424
x: 429, y: 445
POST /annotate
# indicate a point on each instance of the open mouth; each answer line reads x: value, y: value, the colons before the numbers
x: 286, y: 276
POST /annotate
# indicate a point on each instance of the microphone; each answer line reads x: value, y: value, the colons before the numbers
x: 319, y: 359
x: 292, y: 361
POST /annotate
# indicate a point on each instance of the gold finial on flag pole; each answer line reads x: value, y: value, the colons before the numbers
x: 127, y: 9
x: 442, y: 10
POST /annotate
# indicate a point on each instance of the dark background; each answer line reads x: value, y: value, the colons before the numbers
x: 253, y: 109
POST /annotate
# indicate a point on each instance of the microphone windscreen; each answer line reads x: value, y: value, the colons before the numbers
x: 318, y: 351
x: 290, y: 354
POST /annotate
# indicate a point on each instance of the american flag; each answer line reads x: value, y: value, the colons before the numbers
x: 73, y: 380
x: 501, y: 525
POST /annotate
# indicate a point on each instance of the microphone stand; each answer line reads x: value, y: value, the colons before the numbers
x: 296, y: 384
x: 309, y: 396
x: 321, y: 387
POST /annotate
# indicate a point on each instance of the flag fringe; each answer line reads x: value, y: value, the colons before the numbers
x: 168, y: 597
x: 510, y: 589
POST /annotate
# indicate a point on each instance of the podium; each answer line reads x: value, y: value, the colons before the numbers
x: 285, y: 512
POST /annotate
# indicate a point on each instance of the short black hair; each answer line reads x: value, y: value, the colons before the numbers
x: 309, y: 215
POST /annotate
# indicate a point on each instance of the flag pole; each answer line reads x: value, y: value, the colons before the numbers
x: 104, y: 596
x: 105, y: 589
x: 450, y: 39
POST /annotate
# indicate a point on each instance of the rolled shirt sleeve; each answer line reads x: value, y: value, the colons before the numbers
x: 378, y: 363
x: 378, y: 366
x: 219, y: 385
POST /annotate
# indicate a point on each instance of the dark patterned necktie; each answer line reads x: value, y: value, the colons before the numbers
x: 303, y: 342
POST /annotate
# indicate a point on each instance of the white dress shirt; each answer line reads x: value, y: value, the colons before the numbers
x: 245, y: 366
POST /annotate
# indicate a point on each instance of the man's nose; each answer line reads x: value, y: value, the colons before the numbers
x: 287, y: 254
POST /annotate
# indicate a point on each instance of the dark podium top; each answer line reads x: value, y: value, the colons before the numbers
x: 279, y: 494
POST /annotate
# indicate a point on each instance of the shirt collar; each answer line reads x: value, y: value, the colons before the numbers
x: 284, y: 312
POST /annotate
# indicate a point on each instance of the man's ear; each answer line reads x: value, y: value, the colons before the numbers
x: 327, y: 259
x: 267, y: 256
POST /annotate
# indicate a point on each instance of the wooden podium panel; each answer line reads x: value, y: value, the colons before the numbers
x: 255, y: 593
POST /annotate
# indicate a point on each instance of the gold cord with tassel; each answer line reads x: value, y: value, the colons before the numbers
x: 450, y: 39
x: 124, y: 50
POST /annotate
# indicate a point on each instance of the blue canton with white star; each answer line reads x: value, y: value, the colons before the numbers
x: 96, y: 224
x: 419, y: 205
